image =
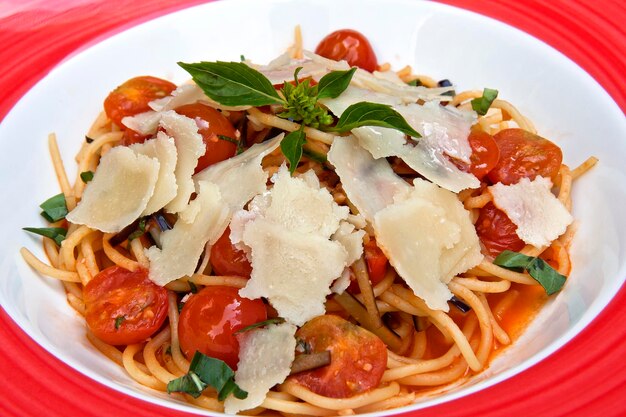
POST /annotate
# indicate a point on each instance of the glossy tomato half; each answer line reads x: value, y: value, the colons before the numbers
x: 124, y: 307
x: 210, y: 318
x: 226, y: 259
x: 349, y: 45
x: 496, y: 231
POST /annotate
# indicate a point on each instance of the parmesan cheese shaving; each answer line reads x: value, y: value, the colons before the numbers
x: 164, y: 150
x: 265, y: 358
x: 119, y: 191
x: 145, y: 123
x: 539, y: 216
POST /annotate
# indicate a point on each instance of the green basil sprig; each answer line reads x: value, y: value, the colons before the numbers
x: 481, y: 104
x: 373, y: 114
x: 537, y: 268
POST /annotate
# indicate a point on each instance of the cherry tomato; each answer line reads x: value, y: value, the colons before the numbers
x: 358, y: 357
x: 124, y: 307
x: 211, y: 123
x: 227, y: 259
x: 485, y: 153
x: 496, y: 231
x: 376, y: 266
x: 210, y: 318
x: 133, y: 97
x: 350, y: 45
x: 130, y: 137
x: 524, y: 155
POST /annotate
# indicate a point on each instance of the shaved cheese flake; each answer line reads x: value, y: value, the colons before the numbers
x: 164, y: 150
x: 184, y: 94
x: 293, y: 270
x: 369, y: 183
x: 182, y: 246
x: 429, y: 238
x: 351, y: 240
x: 119, y: 191
x: 190, y: 147
x: 265, y: 358
x: 539, y: 216
x: 145, y: 123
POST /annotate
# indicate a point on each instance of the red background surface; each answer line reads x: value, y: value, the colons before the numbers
x: 587, y: 377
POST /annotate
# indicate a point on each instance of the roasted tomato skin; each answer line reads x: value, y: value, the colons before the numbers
x: 124, y: 307
x: 496, y: 231
x: 210, y: 318
x: 358, y: 357
x: 211, y: 125
x: 133, y: 96
x: 226, y: 259
x: 376, y: 266
x: 349, y: 45
x: 524, y: 155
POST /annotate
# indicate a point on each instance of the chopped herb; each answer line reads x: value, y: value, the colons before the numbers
x: 550, y: 279
x: 464, y: 308
x: 315, y: 156
x: 88, y: 139
x: 482, y: 104
x: 86, y: 176
x: 180, y: 306
x: 446, y: 83
x: 193, y: 287
x: 242, y: 58
x: 141, y: 229
x: 264, y: 323
x: 415, y: 83
x: 291, y: 146
x: 118, y: 321
x: 54, y: 208
x: 227, y: 139
x: 205, y: 371
x: 168, y: 351
x: 373, y: 114
x: 334, y: 83
x: 55, y: 233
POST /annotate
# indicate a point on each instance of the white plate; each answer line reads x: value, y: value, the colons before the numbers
x: 566, y: 105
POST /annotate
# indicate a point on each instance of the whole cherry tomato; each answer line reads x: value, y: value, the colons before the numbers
x: 496, y: 231
x: 376, y: 266
x: 124, y: 307
x: 227, y: 259
x: 524, y: 155
x: 211, y: 125
x: 485, y: 153
x: 358, y: 357
x: 210, y: 318
x: 133, y: 96
x: 350, y: 45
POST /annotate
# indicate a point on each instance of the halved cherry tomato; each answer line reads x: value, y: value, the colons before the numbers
x: 358, y: 358
x: 211, y: 123
x: 524, y: 155
x: 496, y: 231
x: 376, y: 266
x: 210, y: 318
x: 227, y: 259
x: 133, y: 97
x: 130, y: 137
x: 485, y: 153
x: 350, y: 45
x: 124, y: 307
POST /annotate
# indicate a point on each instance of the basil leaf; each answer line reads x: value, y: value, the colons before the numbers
x: 55, y: 233
x: 263, y: 323
x: 205, y: 371
x: 54, y: 208
x: 118, y: 321
x: 373, y: 114
x: 233, y: 83
x: 315, y: 156
x: 550, y: 279
x: 291, y: 146
x: 334, y: 83
x: 482, y: 104
x: 86, y: 176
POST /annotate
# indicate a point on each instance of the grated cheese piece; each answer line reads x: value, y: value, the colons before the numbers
x: 429, y: 238
x: 265, y: 358
x: 119, y: 191
x: 182, y: 246
x: 539, y: 216
x: 190, y: 147
x: 164, y: 150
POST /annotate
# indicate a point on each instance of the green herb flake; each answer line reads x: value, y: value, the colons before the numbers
x: 118, y: 321
x: 291, y: 146
x: 334, y: 83
x: 193, y: 287
x: 550, y: 279
x: 205, y: 371
x: 141, y: 229
x: 228, y: 139
x: 54, y: 208
x: 373, y: 114
x: 233, y: 83
x: 86, y: 176
x: 315, y: 156
x: 55, y: 233
x: 263, y: 323
x: 415, y: 83
x: 482, y: 104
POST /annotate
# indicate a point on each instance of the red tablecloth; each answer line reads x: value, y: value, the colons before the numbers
x: 587, y: 377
